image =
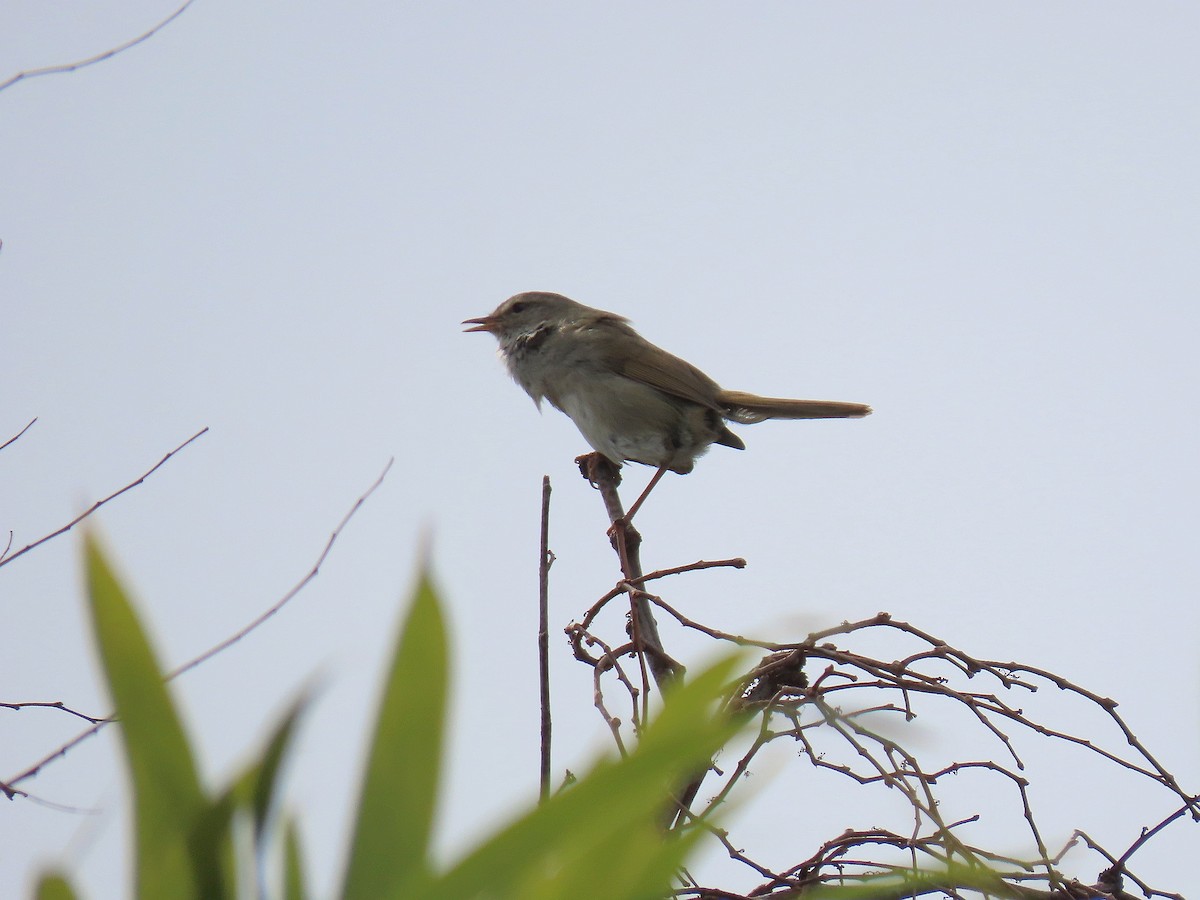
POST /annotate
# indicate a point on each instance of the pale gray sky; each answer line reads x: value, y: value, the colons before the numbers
x: 270, y: 218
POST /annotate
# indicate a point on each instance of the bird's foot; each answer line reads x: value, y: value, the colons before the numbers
x: 597, y: 467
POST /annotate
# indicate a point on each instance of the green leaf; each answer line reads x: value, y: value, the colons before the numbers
x: 293, y: 868
x: 389, y: 855
x: 53, y: 887
x: 168, y: 799
x: 606, y: 829
x: 255, y: 788
x: 212, y: 851
x: 952, y: 879
x: 252, y: 792
x: 635, y: 861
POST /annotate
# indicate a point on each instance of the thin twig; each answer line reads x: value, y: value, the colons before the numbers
x: 627, y: 542
x: 622, y: 585
x: 1151, y: 832
x: 814, y: 690
x: 545, y: 560
x: 19, y: 433
x: 612, y: 660
x: 312, y: 573
x: 99, y: 57
x: 99, y: 503
x: 7, y: 787
x: 736, y: 563
x: 51, y: 704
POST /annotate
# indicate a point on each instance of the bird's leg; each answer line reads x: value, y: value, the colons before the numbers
x: 599, y: 471
x: 637, y: 504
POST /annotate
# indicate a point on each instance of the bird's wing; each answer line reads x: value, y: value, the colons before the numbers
x: 641, y: 361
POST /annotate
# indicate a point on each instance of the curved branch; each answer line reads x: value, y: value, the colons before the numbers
x: 99, y: 57
x: 5, y: 559
x: 8, y: 788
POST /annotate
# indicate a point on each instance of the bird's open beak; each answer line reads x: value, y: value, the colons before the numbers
x: 483, y: 323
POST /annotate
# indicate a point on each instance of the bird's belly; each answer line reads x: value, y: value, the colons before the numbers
x: 629, y: 421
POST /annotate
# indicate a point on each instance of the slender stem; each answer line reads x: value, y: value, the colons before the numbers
x: 544, y: 563
x: 21, y: 432
x: 5, y: 559
x: 99, y: 57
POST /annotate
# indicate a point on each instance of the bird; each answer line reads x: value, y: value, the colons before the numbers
x: 631, y: 400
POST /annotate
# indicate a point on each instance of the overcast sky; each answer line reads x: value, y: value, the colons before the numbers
x: 270, y: 218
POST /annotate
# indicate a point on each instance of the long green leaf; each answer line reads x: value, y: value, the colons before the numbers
x: 950, y: 880
x: 53, y: 887
x: 608, y: 822
x: 636, y: 860
x: 389, y: 856
x: 168, y: 799
x: 251, y: 792
x: 256, y: 786
x: 293, y: 866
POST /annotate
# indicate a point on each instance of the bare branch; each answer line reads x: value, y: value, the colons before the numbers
x: 283, y: 601
x: 545, y: 560
x: 99, y: 503
x: 1151, y: 832
x: 99, y: 57
x: 698, y: 565
x: 19, y: 433
x: 627, y: 541
x: 51, y: 704
x: 8, y: 787
x: 825, y: 696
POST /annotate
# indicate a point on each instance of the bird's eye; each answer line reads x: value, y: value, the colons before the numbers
x: 518, y: 307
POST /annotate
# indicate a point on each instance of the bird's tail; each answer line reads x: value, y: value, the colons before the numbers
x: 750, y: 408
